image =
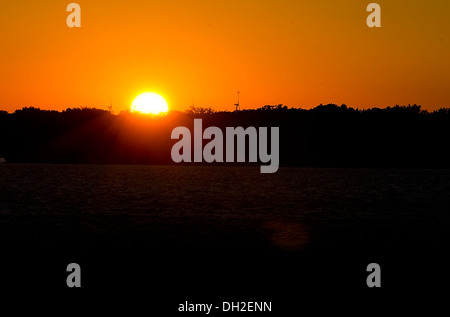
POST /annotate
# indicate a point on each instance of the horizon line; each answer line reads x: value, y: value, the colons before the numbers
x: 267, y: 107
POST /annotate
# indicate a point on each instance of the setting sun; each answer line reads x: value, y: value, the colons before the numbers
x: 149, y: 103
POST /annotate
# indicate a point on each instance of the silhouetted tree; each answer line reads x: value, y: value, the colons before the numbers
x: 194, y: 111
x: 327, y: 135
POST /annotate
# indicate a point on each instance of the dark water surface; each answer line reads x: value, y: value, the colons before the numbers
x: 172, y: 233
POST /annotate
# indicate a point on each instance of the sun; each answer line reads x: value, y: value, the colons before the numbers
x: 149, y: 103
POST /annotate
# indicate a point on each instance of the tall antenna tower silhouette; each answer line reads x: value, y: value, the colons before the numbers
x: 110, y: 105
x: 238, y: 107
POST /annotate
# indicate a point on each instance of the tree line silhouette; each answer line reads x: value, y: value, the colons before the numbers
x: 325, y: 136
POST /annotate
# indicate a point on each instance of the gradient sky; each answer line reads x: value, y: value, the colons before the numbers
x: 295, y: 52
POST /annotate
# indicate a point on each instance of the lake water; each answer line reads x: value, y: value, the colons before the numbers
x: 193, y: 223
x: 219, y: 207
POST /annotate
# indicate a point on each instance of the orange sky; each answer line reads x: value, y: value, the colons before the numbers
x: 299, y: 53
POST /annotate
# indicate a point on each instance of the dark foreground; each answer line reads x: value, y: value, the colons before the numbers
x: 150, y: 238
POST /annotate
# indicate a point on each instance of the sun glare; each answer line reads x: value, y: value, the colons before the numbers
x: 149, y: 103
